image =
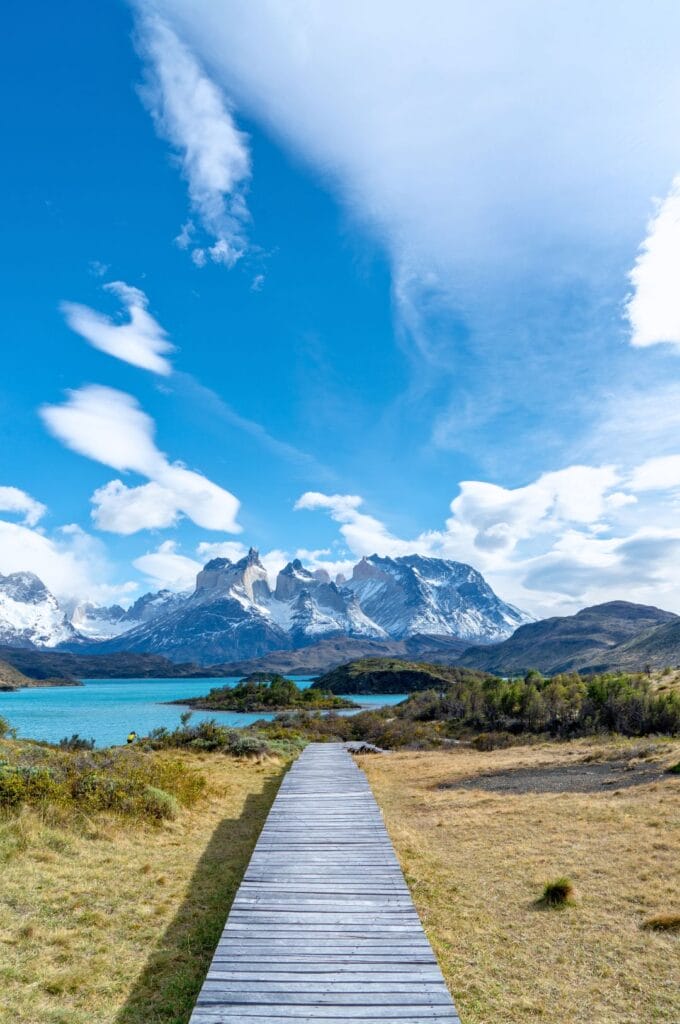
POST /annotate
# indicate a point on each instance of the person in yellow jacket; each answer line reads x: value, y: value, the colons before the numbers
x: 132, y: 736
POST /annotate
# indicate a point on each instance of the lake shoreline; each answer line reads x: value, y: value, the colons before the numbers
x: 107, y: 710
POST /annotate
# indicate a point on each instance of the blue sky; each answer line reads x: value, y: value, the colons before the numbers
x: 397, y: 280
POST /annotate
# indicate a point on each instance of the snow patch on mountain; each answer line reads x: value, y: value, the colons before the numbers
x: 30, y: 614
x: 233, y: 613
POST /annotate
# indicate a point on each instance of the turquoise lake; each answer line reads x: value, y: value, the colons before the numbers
x: 106, y: 710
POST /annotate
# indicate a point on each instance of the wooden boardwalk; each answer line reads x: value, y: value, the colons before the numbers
x: 323, y: 928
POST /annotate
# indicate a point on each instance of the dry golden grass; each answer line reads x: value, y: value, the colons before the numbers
x: 666, y: 680
x: 115, y: 921
x: 477, y: 861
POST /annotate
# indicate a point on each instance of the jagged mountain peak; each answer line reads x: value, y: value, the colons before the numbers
x: 418, y: 594
x: 222, y: 578
x: 23, y: 586
x: 233, y: 613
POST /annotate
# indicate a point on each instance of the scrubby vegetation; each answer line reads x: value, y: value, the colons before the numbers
x: 566, y: 705
x: 208, y: 736
x: 495, y: 712
x: 266, y: 692
x: 126, y: 782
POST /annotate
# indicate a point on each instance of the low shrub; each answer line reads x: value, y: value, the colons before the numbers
x: 127, y: 782
x: 159, y: 804
x: 5, y: 728
x: 494, y: 741
x: 208, y: 736
x: 76, y: 742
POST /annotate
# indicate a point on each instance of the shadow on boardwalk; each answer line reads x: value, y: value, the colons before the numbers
x: 166, y: 990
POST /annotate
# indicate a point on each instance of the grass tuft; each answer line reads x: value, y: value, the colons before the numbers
x: 557, y: 894
x: 667, y: 922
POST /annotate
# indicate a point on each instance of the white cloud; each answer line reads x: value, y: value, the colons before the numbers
x: 231, y: 549
x: 193, y: 115
x: 71, y: 563
x: 108, y: 426
x: 465, y: 148
x: 140, y: 341
x: 653, y: 310
x: 570, y: 538
x: 363, y: 534
x: 659, y: 474
x: 126, y: 510
x: 165, y: 568
x: 12, y: 499
x: 500, y: 517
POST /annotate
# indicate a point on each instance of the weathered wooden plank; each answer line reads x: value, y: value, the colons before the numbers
x: 323, y: 927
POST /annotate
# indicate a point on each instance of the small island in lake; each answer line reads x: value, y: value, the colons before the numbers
x: 267, y: 691
x: 393, y: 675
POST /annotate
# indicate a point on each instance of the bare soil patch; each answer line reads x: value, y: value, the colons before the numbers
x: 564, y: 778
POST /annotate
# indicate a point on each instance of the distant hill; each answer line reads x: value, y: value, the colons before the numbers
x: 390, y: 675
x: 654, y: 648
x: 319, y: 657
x: 596, y: 637
x: 12, y: 679
x: 62, y: 665
x: 326, y: 654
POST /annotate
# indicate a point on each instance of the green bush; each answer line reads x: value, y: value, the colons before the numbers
x: 208, y: 736
x: 160, y: 804
x: 5, y: 728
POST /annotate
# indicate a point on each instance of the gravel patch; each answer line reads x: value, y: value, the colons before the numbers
x: 565, y: 778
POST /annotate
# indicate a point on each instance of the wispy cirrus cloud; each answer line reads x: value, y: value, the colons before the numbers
x: 191, y: 112
x: 140, y: 340
x: 110, y: 427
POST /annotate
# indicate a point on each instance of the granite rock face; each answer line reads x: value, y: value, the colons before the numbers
x: 234, y: 613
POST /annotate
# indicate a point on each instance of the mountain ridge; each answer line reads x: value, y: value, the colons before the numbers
x: 233, y: 615
x: 591, y: 639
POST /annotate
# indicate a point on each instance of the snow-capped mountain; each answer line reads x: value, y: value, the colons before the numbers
x: 413, y: 594
x: 30, y: 614
x: 234, y: 614
x: 225, y: 617
x: 308, y: 606
x: 96, y: 622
